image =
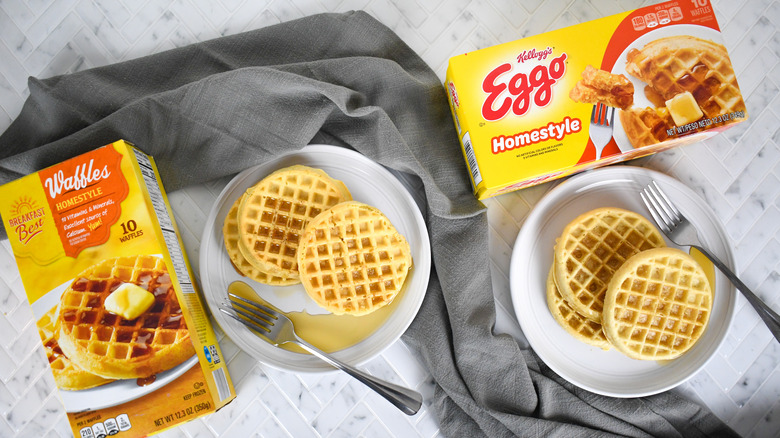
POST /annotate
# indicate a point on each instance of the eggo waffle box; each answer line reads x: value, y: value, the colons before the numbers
x: 119, y: 315
x: 592, y: 94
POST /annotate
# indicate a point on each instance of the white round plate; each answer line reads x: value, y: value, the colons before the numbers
x: 610, y: 372
x: 640, y: 100
x: 369, y: 183
x: 116, y: 392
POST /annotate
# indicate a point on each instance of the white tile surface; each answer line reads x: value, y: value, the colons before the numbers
x: 737, y: 172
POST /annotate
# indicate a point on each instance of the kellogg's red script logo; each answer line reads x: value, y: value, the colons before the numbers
x: 26, y: 219
x: 517, y: 91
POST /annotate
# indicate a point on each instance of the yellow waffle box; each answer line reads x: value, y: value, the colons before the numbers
x: 117, y: 309
x: 592, y: 94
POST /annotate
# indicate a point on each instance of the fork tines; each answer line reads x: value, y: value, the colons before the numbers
x: 661, y: 208
x: 252, y: 314
x: 266, y: 308
x: 602, y: 114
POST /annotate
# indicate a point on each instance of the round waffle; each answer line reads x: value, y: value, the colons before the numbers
x: 67, y: 375
x: 352, y: 260
x: 657, y: 304
x: 273, y: 213
x: 107, y: 344
x: 591, y: 248
x: 583, y: 329
x: 242, y: 266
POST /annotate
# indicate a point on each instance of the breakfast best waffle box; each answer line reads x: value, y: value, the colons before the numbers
x: 532, y: 110
x: 125, y: 332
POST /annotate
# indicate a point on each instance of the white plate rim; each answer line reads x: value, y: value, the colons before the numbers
x: 325, y: 157
x: 548, y: 340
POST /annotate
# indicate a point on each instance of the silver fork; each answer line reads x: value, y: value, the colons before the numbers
x: 601, y: 123
x: 269, y: 322
x: 680, y: 231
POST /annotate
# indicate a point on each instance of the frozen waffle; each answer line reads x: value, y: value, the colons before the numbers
x: 274, y: 212
x: 592, y: 247
x: 242, y: 266
x: 599, y: 86
x: 657, y: 305
x: 583, y: 329
x: 352, y: 260
x: 109, y: 345
x: 67, y: 375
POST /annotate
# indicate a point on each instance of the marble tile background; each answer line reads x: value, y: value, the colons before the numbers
x: 736, y: 172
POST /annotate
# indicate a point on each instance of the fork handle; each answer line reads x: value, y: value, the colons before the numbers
x: 770, y: 317
x: 405, y: 399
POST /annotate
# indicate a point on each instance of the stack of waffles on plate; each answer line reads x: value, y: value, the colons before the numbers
x: 88, y: 346
x: 614, y: 283
x: 299, y: 225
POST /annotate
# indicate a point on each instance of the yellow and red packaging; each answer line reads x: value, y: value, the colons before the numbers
x: 101, y: 205
x: 514, y: 117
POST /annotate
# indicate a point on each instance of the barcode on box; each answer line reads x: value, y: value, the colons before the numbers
x: 472, y: 160
x: 223, y: 389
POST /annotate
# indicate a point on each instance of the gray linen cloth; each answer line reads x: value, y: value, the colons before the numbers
x: 215, y: 108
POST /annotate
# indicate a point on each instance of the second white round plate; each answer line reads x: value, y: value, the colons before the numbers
x: 369, y: 183
x: 610, y: 372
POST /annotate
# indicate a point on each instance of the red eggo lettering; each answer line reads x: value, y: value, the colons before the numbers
x: 523, y: 88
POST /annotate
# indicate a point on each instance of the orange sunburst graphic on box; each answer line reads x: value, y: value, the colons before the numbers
x: 26, y: 220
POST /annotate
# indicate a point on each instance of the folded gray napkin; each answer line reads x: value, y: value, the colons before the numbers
x: 215, y: 108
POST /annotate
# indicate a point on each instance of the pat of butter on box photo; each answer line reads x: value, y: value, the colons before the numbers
x: 120, y: 317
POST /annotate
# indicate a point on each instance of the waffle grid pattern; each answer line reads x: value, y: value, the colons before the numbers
x: 704, y: 70
x: 353, y: 260
x: 274, y: 214
x: 97, y: 333
x: 660, y: 306
x: 592, y: 248
x: 577, y: 325
x: 67, y: 375
x: 646, y: 126
x: 240, y: 263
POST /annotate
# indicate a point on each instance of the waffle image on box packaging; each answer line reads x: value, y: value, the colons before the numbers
x: 109, y: 345
x: 687, y: 79
x: 118, y: 313
x: 67, y: 375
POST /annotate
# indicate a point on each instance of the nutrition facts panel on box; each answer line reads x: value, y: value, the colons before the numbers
x: 166, y: 224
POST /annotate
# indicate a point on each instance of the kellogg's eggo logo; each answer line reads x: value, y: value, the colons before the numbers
x: 26, y: 219
x: 516, y: 92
